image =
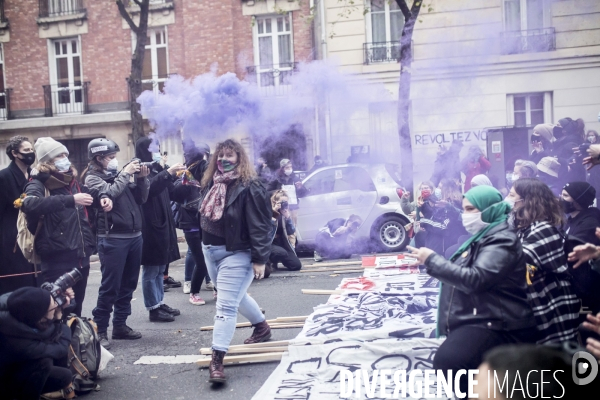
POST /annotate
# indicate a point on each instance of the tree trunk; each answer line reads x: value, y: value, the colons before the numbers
x: 134, y: 81
x: 406, y: 156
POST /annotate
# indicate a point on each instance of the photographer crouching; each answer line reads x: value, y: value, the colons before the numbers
x: 34, y: 343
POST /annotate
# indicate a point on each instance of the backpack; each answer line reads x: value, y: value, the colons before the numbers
x: 26, y: 239
x: 84, y: 353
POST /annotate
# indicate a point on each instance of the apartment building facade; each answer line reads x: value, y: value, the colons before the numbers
x: 479, y: 66
x: 64, y: 63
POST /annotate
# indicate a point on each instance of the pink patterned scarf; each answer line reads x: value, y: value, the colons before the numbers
x: 214, y: 202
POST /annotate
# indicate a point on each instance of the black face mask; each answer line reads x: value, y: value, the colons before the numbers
x: 557, y: 131
x: 567, y: 206
x: 28, y: 158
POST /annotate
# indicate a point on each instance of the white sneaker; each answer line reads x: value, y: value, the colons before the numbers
x: 196, y: 300
x: 318, y: 257
x: 187, y: 287
x: 209, y: 286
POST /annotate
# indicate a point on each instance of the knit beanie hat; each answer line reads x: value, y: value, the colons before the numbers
x: 47, y: 148
x: 284, y: 162
x: 28, y: 304
x: 545, y: 131
x: 549, y: 165
x: 582, y: 192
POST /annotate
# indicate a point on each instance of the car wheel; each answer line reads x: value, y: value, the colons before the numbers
x: 390, y: 235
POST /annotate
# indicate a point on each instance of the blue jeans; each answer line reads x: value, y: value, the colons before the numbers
x: 232, y: 273
x: 152, y: 285
x: 120, y: 265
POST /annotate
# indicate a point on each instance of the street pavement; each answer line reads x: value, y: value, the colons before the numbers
x: 280, y: 296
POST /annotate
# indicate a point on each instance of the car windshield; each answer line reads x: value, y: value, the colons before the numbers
x: 394, y: 171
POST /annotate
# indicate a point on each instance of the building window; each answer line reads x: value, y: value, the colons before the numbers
x: 155, y: 71
x: 528, y: 109
x: 65, y: 93
x: 273, y: 50
x: 384, y: 29
x: 522, y: 15
x: 527, y: 27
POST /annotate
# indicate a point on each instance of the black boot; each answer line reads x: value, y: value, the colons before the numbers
x: 216, y: 368
x: 160, y: 315
x: 262, y: 333
x: 173, y: 311
x: 103, y: 338
x: 125, y: 332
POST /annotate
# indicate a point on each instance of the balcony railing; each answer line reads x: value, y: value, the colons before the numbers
x: 380, y: 52
x: 56, y: 8
x: 72, y: 99
x: 2, y: 16
x: 530, y: 41
x: 274, y: 80
x: 5, y: 105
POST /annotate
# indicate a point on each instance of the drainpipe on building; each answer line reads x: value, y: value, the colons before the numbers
x: 323, y: 57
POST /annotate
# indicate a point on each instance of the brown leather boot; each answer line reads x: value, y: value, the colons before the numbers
x: 262, y: 333
x: 216, y: 368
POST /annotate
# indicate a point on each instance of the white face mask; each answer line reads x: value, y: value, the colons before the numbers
x: 511, y: 202
x: 473, y: 222
x: 156, y: 157
x: 62, y: 164
x: 288, y: 172
x: 515, y: 177
x: 112, y: 165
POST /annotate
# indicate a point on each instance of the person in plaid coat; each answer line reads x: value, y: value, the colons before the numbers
x: 537, y: 218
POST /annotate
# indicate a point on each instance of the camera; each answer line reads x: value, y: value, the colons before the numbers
x: 143, y: 164
x: 284, y: 205
x: 58, y: 288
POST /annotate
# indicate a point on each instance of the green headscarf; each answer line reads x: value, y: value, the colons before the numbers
x: 494, y: 211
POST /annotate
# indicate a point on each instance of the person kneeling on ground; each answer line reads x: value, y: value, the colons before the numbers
x: 34, y: 345
x: 483, y: 296
x: 282, y: 250
x: 332, y: 240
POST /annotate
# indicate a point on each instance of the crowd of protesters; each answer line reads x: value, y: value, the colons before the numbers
x: 515, y: 268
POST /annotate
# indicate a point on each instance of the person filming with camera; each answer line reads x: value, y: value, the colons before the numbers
x: 34, y: 344
x: 282, y: 250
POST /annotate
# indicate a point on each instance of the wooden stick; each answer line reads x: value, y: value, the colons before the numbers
x: 331, y: 264
x: 263, y: 344
x: 310, y: 271
x: 285, y: 326
x: 243, y: 359
x: 352, y: 271
x: 321, y: 291
x: 208, y: 351
x: 289, y: 319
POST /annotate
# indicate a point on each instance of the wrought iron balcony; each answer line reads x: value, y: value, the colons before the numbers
x: 272, y: 79
x: 381, y: 52
x: 71, y: 99
x: 5, y: 112
x: 56, y: 8
x: 530, y: 41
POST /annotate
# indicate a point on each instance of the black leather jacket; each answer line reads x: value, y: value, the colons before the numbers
x: 248, y: 220
x: 485, y: 286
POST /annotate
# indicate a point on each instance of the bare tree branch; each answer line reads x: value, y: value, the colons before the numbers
x: 138, y: 2
x: 126, y: 16
x: 404, y: 8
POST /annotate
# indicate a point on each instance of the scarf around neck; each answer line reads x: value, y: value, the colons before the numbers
x: 214, y: 203
x: 57, y: 180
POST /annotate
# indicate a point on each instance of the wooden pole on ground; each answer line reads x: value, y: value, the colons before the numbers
x: 243, y: 359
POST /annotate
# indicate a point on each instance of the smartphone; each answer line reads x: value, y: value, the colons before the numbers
x: 165, y: 153
x: 284, y: 205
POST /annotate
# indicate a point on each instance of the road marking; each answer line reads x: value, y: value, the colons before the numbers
x: 153, y: 360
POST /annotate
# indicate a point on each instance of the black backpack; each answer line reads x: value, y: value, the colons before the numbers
x: 84, y: 353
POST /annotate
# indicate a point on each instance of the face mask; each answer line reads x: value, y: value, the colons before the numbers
x: 28, y: 158
x: 112, y: 165
x: 63, y: 164
x: 512, y: 202
x: 288, y: 172
x: 473, y: 222
x: 425, y: 194
x: 567, y: 206
x: 514, y: 177
x: 225, y: 165
x: 438, y: 193
x: 156, y: 157
x: 591, y: 139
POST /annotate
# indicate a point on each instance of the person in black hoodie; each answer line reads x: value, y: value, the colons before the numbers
x: 34, y: 345
x: 187, y: 193
x: 119, y: 235
x: 158, y: 232
x: 56, y: 208
x: 12, y: 180
x: 583, y: 219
